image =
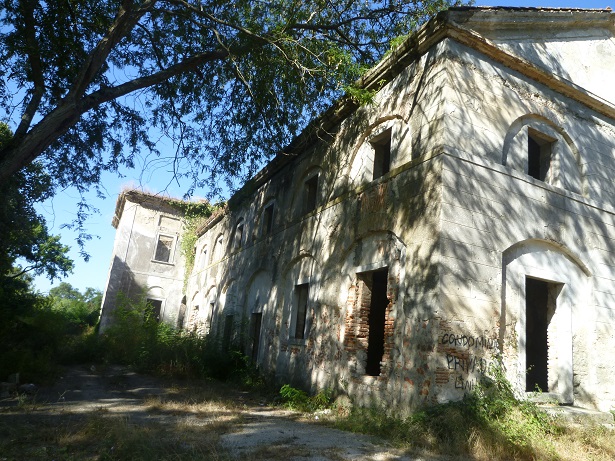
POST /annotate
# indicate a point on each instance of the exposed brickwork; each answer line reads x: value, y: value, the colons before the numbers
x: 356, y: 338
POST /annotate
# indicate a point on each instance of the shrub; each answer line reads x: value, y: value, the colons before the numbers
x: 136, y: 338
x: 488, y: 423
x: 296, y: 399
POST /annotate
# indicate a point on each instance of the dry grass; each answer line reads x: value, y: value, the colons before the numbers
x: 589, y: 443
x: 516, y: 432
x: 182, y: 427
x: 186, y: 423
x: 110, y: 438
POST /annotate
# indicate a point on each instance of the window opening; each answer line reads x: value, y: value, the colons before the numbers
x: 218, y: 250
x: 182, y: 314
x: 301, y: 300
x: 210, y: 316
x: 203, y: 261
x: 192, y: 322
x: 268, y: 220
x: 163, y: 248
x: 382, y: 153
x: 311, y: 193
x: 255, y: 334
x: 154, y: 306
x: 540, y: 305
x: 228, y: 331
x: 376, y: 282
x: 239, y: 234
x: 539, y: 149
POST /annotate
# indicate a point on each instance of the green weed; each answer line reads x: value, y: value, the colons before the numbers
x: 488, y: 423
x: 296, y: 399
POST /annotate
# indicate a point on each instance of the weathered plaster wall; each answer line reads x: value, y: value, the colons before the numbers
x: 575, y: 45
x: 359, y: 225
x: 493, y: 210
x: 134, y: 270
x: 457, y: 222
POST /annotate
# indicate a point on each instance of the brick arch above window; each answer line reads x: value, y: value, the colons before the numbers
x: 373, y: 276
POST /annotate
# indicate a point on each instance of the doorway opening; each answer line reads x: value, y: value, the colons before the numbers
x: 540, y: 306
x: 228, y: 331
x: 377, y: 281
x: 255, y: 334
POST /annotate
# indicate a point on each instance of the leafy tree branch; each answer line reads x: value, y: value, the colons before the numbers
x: 231, y: 82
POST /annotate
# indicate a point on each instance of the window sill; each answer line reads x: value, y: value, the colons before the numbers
x: 297, y: 342
x: 162, y: 262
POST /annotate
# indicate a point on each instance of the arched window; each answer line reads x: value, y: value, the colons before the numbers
x: 539, y: 148
x: 238, y: 234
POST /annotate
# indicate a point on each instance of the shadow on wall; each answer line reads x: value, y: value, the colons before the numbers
x: 121, y: 282
x: 453, y: 218
x: 401, y: 206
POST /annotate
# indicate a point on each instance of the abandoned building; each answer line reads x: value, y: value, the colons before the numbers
x: 398, y: 247
x: 146, y: 260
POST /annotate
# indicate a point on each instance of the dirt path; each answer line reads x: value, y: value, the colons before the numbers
x: 257, y: 431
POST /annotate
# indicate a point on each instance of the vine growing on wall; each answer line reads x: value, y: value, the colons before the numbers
x: 195, y: 215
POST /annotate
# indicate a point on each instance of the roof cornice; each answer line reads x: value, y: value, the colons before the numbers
x: 452, y: 24
x: 143, y: 199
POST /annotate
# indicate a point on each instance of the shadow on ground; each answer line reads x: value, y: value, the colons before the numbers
x: 115, y: 413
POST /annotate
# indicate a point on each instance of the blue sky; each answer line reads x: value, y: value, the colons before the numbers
x: 157, y: 178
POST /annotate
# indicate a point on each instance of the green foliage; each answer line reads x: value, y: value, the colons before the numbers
x: 24, y: 238
x: 299, y: 400
x: 195, y: 215
x: 397, y: 41
x: 360, y: 96
x: 136, y: 338
x: 231, y: 83
x: 38, y: 333
x: 491, y: 420
x: 82, y: 310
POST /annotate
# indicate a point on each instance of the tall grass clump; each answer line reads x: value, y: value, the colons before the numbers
x: 136, y: 338
x: 489, y: 423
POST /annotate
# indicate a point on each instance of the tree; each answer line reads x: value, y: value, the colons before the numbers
x: 24, y: 237
x: 230, y: 82
x: 80, y: 308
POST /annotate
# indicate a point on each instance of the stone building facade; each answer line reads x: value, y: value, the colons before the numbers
x: 146, y: 260
x: 399, y: 247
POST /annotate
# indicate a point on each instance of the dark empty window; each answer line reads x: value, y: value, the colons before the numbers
x: 540, y: 305
x: 203, y: 261
x: 268, y: 219
x: 311, y: 193
x: 539, y: 147
x: 163, y: 248
x: 301, y: 306
x: 154, y: 307
x: 182, y: 314
x: 239, y: 234
x: 382, y: 153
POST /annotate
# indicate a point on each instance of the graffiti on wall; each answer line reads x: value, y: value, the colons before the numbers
x: 465, y: 366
